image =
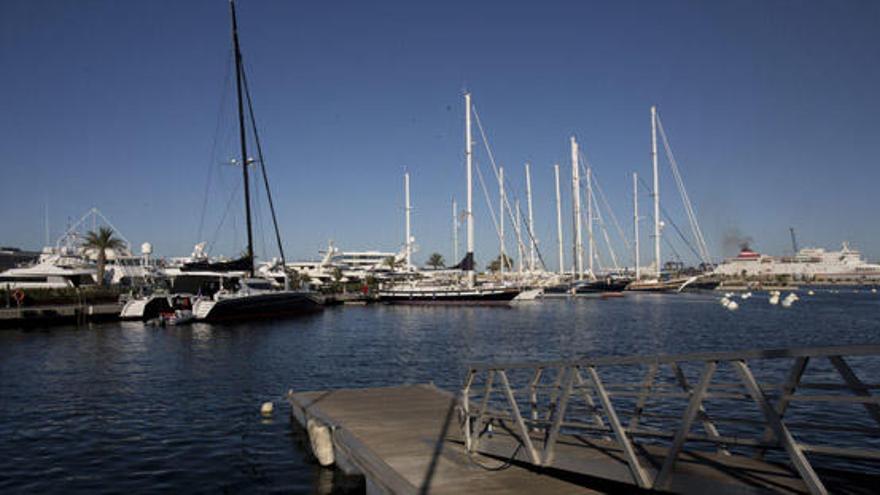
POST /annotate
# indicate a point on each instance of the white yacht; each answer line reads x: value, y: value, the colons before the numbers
x: 70, y: 261
x: 53, y: 270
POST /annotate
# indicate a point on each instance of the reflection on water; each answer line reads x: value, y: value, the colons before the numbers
x: 123, y: 406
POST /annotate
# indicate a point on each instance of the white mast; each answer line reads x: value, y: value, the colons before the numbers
x: 408, y: 207
x: 656, y: 191
x: 46, y: 218
x: 454, y: 231
x: 531, y: 229
x: 519, y: 244
x: 501, y: 219
x: 636, y: 222
x: 591, y: 249
x: 469, y: 257
x: 559, y: 221
x: 576, y: 201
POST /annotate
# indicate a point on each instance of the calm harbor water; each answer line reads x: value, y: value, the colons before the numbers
x: 127, y: 407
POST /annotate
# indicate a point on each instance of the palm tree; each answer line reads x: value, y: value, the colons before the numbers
x: 495, y: 265
x: 101, y: 241
x: 436, y: 261
x: 392, y: 263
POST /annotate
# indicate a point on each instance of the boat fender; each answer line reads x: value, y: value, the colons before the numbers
x: 322, y: 443
x: 267, y: 408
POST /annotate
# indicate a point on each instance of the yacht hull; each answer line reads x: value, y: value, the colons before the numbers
x: 449, y: 297
x: 258, y: 306
x: 599, y: 287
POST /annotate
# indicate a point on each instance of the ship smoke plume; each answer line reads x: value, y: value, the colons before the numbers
x: 734, y: 241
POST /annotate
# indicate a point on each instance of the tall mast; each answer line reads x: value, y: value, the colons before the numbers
x: 242, y: 138
x: 636, y: 223
x: 591, y: 251
x: 46, y: 220
x: 454, y: 231
x: 531, y: 228
x: 469, y: 257
x: 501, y: 219
x: 559, y: 220
x: 408, y: 232
x: 656, y: 192
x: 519, y: 243
x: 576, y: 202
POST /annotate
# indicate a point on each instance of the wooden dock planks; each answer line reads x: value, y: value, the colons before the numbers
x: 407, y: 440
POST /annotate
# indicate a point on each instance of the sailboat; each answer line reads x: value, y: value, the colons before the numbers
x: 470, y: 292
x: 253, y: 297
x: 670, y: 283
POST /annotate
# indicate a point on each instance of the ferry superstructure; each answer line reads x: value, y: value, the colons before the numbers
x: 807, y: 264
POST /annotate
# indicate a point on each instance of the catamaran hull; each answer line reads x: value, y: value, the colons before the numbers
x: 143, y: 309
x: 258, y: 306
x: 456, y: 297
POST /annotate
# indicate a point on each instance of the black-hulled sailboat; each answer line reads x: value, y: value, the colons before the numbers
x: 470, y: 292
x: 253, y: 297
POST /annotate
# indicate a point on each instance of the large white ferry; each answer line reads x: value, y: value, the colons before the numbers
x: 808, y: 264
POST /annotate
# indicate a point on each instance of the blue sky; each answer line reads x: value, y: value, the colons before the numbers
x: 771, y: 109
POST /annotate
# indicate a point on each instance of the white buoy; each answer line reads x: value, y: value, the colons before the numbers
x: 267, y: 408
x: 811, y: 293
x: 732, y: 305
x: 746, y: 296
x: 774, y: 299
x: 874, y: 290
x: 725, y: 301
x: 322, y: 444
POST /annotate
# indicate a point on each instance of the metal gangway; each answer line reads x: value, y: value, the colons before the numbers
x: 796, y: 419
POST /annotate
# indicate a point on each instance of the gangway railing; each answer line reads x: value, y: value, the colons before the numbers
x: 782, y: 405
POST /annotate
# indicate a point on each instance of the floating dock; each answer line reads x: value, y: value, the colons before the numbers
x: 535, y: 439
x: 31, y: 316
x: 407, y: 440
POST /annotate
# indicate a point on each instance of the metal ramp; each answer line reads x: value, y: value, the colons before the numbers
x: 786, y: 420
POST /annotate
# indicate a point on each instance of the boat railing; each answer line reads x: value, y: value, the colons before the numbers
x: 791, y: 406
